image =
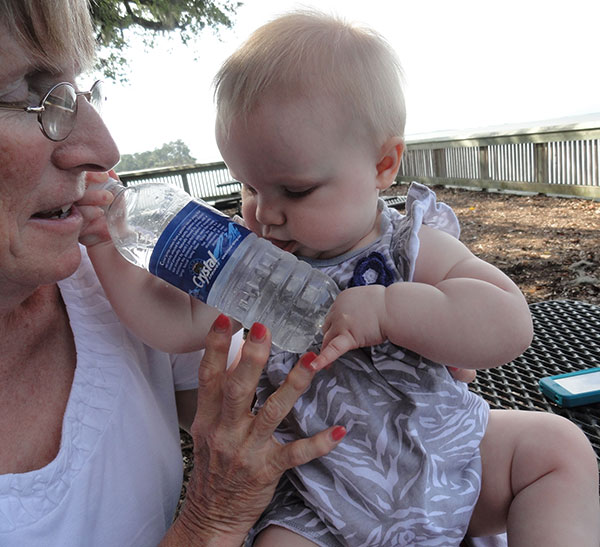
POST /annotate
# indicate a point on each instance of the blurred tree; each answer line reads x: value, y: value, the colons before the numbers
x: 171, y: 154
x: 152, y: 18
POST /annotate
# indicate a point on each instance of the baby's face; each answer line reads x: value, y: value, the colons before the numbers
x: 309, y: 180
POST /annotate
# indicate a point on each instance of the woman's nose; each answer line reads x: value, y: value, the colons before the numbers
x: 90, y: 145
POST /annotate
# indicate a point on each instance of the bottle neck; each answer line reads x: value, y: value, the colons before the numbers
x: 114, y: 187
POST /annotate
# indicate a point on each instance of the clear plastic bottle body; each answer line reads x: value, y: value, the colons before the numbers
x: 265, y: 284
x: 257, y: 282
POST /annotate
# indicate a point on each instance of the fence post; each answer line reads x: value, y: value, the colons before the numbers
x: 439, y: 163
x: 184, y: 181
x: 484, y: 167
x: 541, y: 162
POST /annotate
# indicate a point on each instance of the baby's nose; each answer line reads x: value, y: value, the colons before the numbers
x: 269, y: 213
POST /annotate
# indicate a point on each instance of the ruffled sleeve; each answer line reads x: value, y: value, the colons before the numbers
x: 422, y: 207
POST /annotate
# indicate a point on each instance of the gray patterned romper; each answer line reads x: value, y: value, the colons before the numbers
x: 408, y: 471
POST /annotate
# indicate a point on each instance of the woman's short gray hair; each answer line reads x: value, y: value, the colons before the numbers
x: 54, y: 33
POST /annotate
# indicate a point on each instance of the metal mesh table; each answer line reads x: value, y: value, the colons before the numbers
x: 566, y: 339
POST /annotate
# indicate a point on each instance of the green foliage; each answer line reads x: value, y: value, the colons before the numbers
x: 171, y: 154
x: 152, y: 18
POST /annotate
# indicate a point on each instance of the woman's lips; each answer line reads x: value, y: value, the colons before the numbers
x: 60, y: 221
x: 59, y: 213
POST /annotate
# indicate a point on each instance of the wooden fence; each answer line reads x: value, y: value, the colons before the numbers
x: 209, y: 181
x: 562, y: 160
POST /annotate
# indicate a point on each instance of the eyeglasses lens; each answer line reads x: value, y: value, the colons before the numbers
x: 60, y: 111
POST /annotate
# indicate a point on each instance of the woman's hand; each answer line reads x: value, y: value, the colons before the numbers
x: 90, y: 206
x: 237, y: 461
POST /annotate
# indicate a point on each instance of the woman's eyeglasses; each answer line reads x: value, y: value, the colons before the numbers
x: 57, y: 111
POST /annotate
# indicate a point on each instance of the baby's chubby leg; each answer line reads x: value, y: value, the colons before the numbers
x: 540, y: 482
x: 277, y: 536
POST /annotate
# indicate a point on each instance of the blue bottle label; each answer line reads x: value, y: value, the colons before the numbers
x: 194, y: 247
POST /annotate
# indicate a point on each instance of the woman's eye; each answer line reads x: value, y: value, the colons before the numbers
x: 17, y: 93
x: 28, y: 91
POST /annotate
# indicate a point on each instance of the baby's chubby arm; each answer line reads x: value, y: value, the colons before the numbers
x: 459, y: 310
x: 161, y: 315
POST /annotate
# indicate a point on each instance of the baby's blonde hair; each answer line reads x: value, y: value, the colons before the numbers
x: 308, y: 53
x: 54, y: 33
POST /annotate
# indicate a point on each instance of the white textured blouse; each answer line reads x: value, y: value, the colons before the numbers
x: 117, y: 477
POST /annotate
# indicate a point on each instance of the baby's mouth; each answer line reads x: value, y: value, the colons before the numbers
x: 286, y: 245
x: 55, y: 214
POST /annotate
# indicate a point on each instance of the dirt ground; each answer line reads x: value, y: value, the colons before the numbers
x: 549, y: 246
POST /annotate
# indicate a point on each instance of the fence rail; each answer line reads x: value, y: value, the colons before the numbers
x: 563, y: 160
x: 209, y: 181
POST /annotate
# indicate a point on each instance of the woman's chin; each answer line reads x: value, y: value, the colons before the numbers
x: 56, y: 264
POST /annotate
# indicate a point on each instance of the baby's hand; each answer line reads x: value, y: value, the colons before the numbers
x: 94, y: 229
x: 355, y: 320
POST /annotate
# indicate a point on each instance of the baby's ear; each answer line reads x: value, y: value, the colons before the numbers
x: 389, y: 162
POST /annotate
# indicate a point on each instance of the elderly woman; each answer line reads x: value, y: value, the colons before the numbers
x: 89, y: 446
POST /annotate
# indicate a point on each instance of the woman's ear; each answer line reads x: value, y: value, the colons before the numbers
x: 389, y: 162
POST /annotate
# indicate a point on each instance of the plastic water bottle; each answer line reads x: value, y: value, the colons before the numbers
x: 201, y: 251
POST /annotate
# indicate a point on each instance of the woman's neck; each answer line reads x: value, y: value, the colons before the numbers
x: 30, y: 317
x: 37, y: 364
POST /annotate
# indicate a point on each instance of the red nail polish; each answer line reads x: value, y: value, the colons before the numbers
x: 338, y: 433
x: 307, y: 359
x: 258, y: 332
x: 221, y: 323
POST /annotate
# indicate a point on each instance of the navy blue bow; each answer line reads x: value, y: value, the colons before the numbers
x: 371, y: 270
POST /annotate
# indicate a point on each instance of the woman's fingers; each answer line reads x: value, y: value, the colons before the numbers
x: 304, y: 450
x: 279, y: 404
x: 238, y: 460
x: 211, y: 371
x: 242, y: 381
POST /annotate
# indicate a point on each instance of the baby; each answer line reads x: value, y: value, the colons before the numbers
x: 310, y: 119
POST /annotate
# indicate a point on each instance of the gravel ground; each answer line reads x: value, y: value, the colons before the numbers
x: 549, y: 246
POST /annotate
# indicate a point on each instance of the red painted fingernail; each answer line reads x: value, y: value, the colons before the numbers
x: 338, y: 433
x: 221, y: 323
x: 307, y: 359
x: 258, y: 332
x: 452, y: 369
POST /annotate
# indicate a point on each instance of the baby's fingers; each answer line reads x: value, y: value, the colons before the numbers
x: 95, y: 197
x: 463, y: 374
x: 95, y: 230
x: 99, y: 177
x: 334, y: 348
